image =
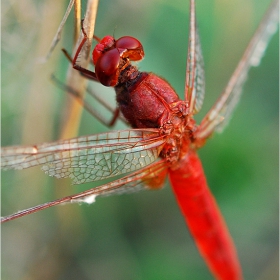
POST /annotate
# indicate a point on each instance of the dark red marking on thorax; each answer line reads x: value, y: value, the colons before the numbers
x: 143, y: 98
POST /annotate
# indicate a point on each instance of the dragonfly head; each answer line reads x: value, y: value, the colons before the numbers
x: 111, y: 56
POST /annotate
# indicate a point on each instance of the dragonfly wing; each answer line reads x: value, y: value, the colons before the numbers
x: 219, y: 115
x: 195, y: 81
x: 89, y: 158
x: 149, y: 177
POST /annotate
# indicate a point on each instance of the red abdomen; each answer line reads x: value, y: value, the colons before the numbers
x: 204, y: 219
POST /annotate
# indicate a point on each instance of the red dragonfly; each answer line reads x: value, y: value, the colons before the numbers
x: 163, y: 141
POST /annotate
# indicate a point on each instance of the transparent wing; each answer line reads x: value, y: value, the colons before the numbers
x: 150, y: 177
x: 195, y: 81
x: 219, y: 115
x: 89, y: 158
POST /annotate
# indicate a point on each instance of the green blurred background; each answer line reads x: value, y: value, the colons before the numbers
x: 142, y: 235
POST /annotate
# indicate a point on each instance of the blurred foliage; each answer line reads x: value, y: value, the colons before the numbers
x: 143, y: 235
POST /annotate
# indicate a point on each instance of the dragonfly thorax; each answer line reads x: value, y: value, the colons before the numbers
x: 148, y: 101
x: 178, y: 130
x: 144, y: 98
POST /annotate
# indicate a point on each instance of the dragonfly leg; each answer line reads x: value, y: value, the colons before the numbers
x: 84, y: 72
x: 88, y: 107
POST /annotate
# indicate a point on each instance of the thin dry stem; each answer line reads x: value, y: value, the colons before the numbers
x: 74, y: 79
x: 73, y: 109
x: 77, y: 20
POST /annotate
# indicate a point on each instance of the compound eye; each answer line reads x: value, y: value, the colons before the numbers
x: 106, y: 43
x: 134, y: 49
x: 128, y: 42
x: 107, y: 68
